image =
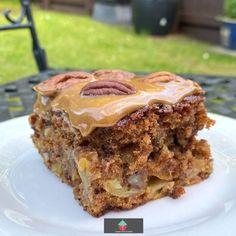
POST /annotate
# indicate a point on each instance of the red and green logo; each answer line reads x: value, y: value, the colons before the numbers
x: 122, y: 226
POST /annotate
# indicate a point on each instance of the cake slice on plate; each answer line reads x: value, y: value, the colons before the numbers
x: 121, y: 140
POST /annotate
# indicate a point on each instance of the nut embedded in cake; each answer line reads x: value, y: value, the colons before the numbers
x: 122, y: 142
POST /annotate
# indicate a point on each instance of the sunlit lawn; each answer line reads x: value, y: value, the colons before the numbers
x: 73, y: 41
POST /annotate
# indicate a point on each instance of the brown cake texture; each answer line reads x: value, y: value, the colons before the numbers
x: 122, y: 142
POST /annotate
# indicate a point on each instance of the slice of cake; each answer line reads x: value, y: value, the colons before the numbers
x: 121, y: 140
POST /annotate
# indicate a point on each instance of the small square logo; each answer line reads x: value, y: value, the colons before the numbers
x: 123, y: 225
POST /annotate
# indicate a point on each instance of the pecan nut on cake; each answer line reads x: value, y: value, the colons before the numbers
x: 121, y: 140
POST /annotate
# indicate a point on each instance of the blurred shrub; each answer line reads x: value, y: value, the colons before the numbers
x: 230, y: 8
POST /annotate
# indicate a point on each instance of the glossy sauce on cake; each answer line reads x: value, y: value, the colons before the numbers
x: 89, y: 112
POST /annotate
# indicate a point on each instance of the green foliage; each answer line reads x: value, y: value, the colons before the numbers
x: 74, y: 41
x: 230, y: 8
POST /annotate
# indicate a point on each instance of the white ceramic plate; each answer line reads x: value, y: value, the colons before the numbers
x: 34, y: 202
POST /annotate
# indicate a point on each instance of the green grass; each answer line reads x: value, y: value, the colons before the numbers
x: 73, y: 41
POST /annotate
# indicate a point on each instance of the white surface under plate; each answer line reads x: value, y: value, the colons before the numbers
x: 34, y: 202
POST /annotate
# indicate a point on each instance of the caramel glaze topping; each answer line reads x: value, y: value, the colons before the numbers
x: 108, y: 101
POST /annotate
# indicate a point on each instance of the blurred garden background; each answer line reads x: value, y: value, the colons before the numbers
x: 76, y: 40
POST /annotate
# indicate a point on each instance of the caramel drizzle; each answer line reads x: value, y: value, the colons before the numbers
x: 88, y: 113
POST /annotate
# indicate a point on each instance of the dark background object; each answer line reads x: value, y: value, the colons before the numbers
x: 75, y: 6
x: 121, y: 2
x: 197, y: 18
x: 155, y: 17
x: 228, y: 25
x: 116, y: 12
x: 228, y: 33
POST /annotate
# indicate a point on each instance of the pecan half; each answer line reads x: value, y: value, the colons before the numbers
x: 166, y: 77
x: 113, y: 74
x: 107, y: 87
x: 162, y: 77
x: 60, y: 82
